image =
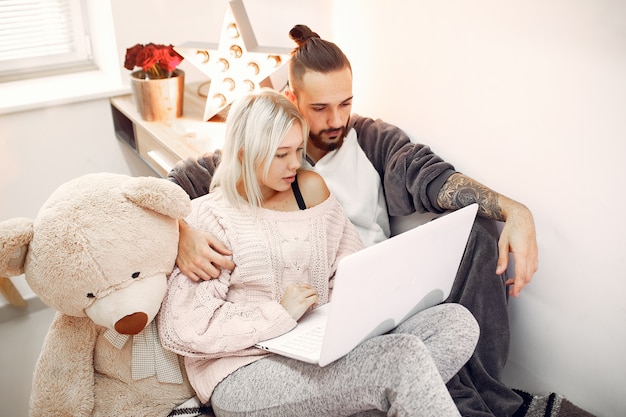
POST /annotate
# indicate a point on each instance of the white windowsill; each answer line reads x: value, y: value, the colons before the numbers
x: 57, y: 90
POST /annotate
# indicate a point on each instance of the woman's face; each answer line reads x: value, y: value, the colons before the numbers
x: 285, y: 163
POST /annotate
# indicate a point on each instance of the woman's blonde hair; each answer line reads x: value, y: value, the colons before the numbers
x: 256, y: 125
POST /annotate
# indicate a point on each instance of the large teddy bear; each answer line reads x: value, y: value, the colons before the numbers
x: 99, y: 252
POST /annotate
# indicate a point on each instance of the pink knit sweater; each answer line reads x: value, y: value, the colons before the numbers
x: 215, y: 323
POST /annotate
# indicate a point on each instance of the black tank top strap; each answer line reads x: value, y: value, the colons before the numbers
x: 298, y: 194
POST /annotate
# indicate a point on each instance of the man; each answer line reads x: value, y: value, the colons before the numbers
x: 376, y: 171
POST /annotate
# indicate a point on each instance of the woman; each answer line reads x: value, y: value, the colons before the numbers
x: 287, y: 233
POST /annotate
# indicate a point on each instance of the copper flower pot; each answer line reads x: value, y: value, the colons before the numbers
x: 158, y: 99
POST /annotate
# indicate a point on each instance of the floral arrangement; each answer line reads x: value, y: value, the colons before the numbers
x: 156, y: 61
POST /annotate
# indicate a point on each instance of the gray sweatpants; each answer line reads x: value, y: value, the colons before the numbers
x: 402, y: 373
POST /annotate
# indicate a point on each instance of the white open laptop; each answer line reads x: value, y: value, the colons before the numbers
x: 379, y: 287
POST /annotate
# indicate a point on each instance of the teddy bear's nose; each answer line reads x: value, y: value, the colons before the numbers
x: 132, y: 324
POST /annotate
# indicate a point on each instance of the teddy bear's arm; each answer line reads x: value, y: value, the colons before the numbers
x: 63, y: 382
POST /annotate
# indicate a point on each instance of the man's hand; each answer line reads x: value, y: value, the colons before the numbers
x: 519, y: 238
x: 200, y: 255
x: 518, y: 235
x: 298, y: 298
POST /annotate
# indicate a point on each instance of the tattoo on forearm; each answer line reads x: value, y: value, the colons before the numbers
x: 460, y: 191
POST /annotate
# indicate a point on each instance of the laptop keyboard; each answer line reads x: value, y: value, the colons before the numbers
x: 309, y: 341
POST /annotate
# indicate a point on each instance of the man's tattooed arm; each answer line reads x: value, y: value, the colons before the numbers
x: 460, y: 191
x: 518, y: 236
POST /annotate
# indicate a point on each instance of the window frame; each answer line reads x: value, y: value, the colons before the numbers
x: 39, y: 27
x: 104, y: 81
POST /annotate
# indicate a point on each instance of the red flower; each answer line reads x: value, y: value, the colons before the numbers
x: 171, y: 58
x: 131, y: 56
x: 147, y: 57
x: 157, y: 61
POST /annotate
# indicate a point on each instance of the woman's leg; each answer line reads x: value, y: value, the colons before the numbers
x: 450, y: 333
x: 391, y: 373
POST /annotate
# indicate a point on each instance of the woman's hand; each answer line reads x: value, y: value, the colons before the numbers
x: 298, y: 298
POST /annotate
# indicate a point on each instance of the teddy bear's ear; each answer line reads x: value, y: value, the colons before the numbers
x: 159, y: 195
x: 15, y: 237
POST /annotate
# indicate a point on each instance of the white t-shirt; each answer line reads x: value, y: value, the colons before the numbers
x: 353, y: 180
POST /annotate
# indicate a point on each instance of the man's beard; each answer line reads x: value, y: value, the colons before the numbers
x: 319, y: 142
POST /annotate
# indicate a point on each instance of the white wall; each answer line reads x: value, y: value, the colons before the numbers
x: 530, y: 99
x: 527, y: 97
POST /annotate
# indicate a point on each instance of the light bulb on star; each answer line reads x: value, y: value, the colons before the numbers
x: 237, y: 65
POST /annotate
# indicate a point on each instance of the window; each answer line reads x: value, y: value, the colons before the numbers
x: 43, y: 37
x: 56, y: 52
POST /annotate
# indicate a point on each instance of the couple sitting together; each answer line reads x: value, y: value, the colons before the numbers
x: 300, y: 184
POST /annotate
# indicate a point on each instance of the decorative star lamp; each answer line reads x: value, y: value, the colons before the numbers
x: 237, y: 65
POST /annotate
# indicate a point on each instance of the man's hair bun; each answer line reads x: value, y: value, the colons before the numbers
x: 301, y: 33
